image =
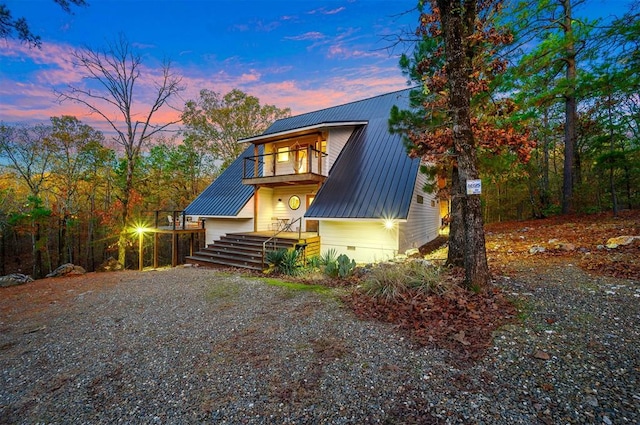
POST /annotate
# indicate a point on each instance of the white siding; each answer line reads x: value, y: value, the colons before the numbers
x: 265, y: 208
x: 247, y: 210
x: 423, y: 221
x: 335, y: 143
x: 281, y: 208
x: 217, y: 227
x: 363, y: 241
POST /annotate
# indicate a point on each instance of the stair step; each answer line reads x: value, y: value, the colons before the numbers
x: 231, y: 249
x: 239, y: 250
x: 207, y: 261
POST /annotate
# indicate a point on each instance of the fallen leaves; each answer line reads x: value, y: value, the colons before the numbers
x: 580, y: 239
x: 459, y: 320
x: 463, y: 322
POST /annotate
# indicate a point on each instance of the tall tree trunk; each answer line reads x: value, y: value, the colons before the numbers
x: 612, y: 184
x: 126, y: 198
x: 455, y: 255
x: 544, y: 196
x: 458, y: 23
x: 37, y: 252
x: 570, y: 112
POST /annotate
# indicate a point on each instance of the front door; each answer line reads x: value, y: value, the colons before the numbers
x: 311, y: 225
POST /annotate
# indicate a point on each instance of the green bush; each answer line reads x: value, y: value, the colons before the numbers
x: 345, y: 266
x: 340, y: 266
x: 329, y: 256
x: 284, y: 261
x: 313, y: 262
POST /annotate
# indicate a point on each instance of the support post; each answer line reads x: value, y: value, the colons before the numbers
x: 174, y: 249
x: 155, y: 250
x: 140, y: 250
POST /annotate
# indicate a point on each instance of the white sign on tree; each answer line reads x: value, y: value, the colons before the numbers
x: 474, y: 187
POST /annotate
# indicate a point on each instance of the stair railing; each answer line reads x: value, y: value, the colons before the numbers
x: 274, y: 238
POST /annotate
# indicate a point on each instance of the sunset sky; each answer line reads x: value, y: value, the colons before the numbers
x: 301, y: 54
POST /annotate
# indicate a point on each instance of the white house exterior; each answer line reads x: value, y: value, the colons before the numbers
x: 337, y: 173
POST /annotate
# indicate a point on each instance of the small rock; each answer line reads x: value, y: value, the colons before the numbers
x: 606, y: 420
x: 536, y: 249
x: 622, y: 240
x: 565, y: 246
x: 110, y: 265
x: 67, y: 269
x: 14, y: 279
x: 541, y: 355
x: 413, y: 252
x: 592, y: 401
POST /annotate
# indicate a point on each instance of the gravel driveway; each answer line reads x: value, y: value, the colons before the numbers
x: 190, y: 345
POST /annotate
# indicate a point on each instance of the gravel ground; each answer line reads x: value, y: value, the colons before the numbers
x: 190, y: 345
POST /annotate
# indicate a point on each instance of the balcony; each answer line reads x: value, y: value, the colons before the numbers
x: 305, y: 165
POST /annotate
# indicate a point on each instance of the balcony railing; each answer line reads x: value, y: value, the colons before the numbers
x: 304, y: 161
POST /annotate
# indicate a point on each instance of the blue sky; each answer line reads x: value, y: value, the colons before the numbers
x: 301, y: 54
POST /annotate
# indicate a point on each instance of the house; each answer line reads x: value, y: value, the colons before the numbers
x: 330, y: 179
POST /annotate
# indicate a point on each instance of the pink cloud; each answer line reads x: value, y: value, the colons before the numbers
x: 312, y: 35
x: 34, y: 100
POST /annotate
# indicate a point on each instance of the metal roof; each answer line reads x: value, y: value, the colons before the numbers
x: 226, y: 195
x: 372, y: 177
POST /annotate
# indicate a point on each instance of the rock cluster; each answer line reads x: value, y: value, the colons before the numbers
x: 67, y: 270
x: 111, y: 265
x: 14, y: 279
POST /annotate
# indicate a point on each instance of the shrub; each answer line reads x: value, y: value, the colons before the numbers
x: 329, y: 256
x: 393, y: 281
x: 345, y: 266
x: 313, y: 262
x: 284, y: 261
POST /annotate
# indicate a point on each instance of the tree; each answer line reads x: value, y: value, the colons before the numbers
x: 29, y: 151
x: 218, y: 122
x: 113, y: 74
x: 455, y: 63
x: 560, y: 43
x: 10, y: 25
x: 70, y: 165
x: 180, y: 170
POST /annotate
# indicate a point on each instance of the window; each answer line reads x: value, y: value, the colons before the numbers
x: 283, y: 154
x: 419, y: 199
x: 294, y: 202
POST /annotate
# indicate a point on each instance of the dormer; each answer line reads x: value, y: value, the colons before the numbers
x: 296, y: 156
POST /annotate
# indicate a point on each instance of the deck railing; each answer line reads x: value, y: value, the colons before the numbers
x: 299, y: 161
x: 175, y: 220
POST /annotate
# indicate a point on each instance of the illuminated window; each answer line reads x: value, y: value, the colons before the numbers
x: 283, y: 154
x: 294, y: 202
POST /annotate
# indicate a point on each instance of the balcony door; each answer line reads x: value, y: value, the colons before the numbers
x: 300, y: 160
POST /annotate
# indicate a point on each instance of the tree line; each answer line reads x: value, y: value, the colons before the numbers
x: 70, y: 193
x: 539, y: 102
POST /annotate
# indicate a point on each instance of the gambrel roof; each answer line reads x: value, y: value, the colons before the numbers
x: 372, y: 177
